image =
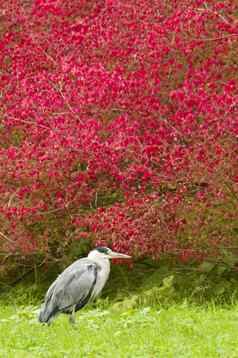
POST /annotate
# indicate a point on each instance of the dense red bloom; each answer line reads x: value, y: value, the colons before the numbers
x: 119, y: 121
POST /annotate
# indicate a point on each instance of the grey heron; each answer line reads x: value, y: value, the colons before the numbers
x: 78, y: 284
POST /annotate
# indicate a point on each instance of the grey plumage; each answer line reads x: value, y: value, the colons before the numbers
x: 79, y: 283
x: 72, y: 288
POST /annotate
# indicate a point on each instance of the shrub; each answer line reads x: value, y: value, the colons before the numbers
x: 118, y: 123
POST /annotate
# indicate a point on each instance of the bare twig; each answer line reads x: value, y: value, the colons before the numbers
x: 96, y: 200
x: 50, y: 58
x: 31, y: 122
x: 207, y: 8
x: 231, y: 190
x: 6, y: 238
x: 59, y: 90
x: 12, y: 196
x: 215, y: 38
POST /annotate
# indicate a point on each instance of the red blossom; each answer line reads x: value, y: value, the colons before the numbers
x: 119, y: 119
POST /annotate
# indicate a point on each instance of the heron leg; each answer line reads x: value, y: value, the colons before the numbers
x: 72, y: 316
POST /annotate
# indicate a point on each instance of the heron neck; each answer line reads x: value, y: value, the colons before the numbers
x: 103, y: 272
x: 102, y: 263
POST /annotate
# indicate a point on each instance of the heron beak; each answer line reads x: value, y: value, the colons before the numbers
x: 118, y: 255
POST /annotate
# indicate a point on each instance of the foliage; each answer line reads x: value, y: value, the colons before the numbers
x: 182, y: 331
x: 118, y: 124
x: 157, y: 285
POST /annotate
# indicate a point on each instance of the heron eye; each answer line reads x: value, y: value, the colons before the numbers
x: 103, y: 250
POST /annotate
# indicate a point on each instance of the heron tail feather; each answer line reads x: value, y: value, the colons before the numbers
x: 47, y: 313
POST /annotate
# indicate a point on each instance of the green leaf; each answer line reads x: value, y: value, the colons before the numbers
x: 221, y: 269
x: 206, y: 266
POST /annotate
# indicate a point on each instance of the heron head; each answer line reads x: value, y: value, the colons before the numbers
x: 107, y: 253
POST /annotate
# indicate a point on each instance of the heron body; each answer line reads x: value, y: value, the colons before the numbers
x: 78, y: 284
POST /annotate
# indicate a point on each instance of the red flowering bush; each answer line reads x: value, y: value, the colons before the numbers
x: 119, y: 121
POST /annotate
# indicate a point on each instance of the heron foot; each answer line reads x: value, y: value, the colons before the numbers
x: 72, y: 319
x: 72, y: 316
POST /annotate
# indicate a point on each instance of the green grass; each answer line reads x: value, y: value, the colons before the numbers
x: 176, y: 332
x: 152, y: 311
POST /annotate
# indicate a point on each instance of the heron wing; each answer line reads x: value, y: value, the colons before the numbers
x: 74, y: 286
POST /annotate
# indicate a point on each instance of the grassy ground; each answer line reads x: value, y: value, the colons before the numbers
x: 142, y: 314
x: 176, y: 332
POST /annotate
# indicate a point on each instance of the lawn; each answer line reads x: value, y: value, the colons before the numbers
x: 177, y: 332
